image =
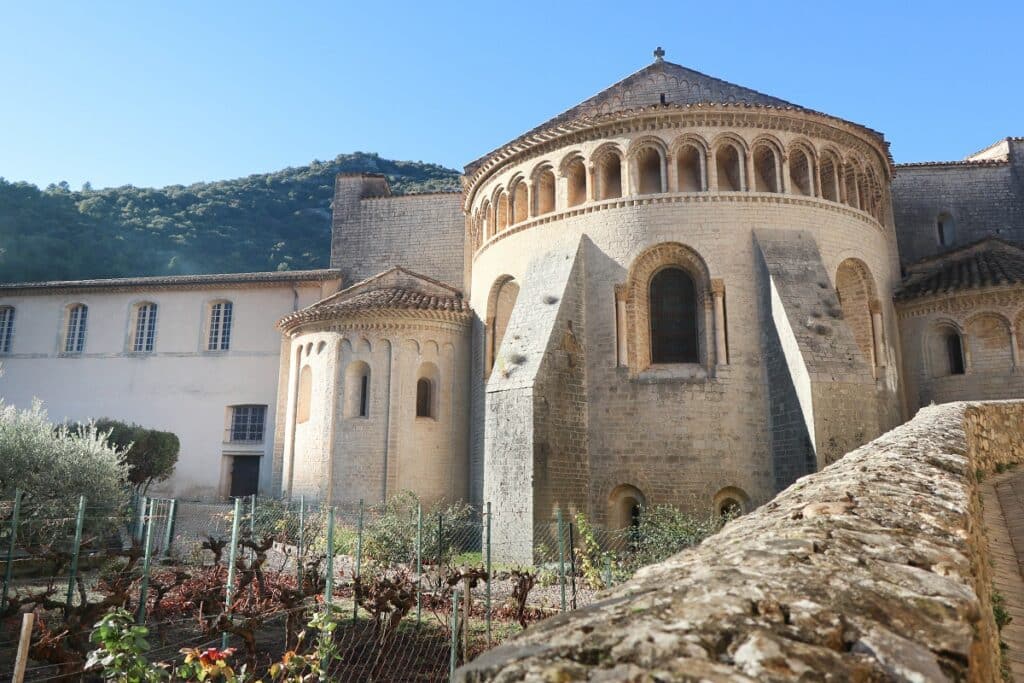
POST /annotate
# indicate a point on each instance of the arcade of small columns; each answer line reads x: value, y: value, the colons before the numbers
x: 689, y: 164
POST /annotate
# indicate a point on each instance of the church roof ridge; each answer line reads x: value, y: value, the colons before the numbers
x: 662, y: 84
x: 988, y: 262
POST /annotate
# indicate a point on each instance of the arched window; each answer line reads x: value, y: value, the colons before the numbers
x: 221, y: 318
x: 6, y: 328
x: 829, y: 177
x: 991, y: 345
x: 74, y: 333
x: 945, y: 229
x: 673, y: 316
x: 424, y: 398
x: 801, y: 172
x: 955, y: 353
x: 766, y: 169
x: 946, y: 351
x: 544, y: 187
x: 357, y: 389
x: 689, y: 169
x: 576, y: 174
x: 144, y: 328
x: 520, y: 202
x: 648, y: 163
x: 727, y: 164
x: 305, y: 394
x: 609, y: 176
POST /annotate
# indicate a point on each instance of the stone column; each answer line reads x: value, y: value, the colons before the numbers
x: 664, y: 173
x: 876, y: 327
x: 718, y: 294
x: 591, y: 183
x: 712, y: 166
x: 747, y: 171
x: 784, y: 180
x: 1014, y: 349
x: 531, y: 199
x: 621, y: 336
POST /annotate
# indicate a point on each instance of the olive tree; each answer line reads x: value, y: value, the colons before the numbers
x: 54, y: 465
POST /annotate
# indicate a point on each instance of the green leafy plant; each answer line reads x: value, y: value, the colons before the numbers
x: 314, y: 665
x: 590, y: 558
x: 391, y: 537
x: 149, y: 454
x: 122, y: 649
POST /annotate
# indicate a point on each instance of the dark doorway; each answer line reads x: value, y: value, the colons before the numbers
x: 245, y: 475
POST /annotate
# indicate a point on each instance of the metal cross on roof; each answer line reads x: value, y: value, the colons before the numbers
x: 659, y: 54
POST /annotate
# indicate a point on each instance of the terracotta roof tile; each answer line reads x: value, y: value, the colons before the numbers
x: 990, y: 262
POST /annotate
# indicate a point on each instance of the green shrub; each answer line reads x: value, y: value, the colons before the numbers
x: 391, y: 537
x: 664, y: 530
x: 53, y: 466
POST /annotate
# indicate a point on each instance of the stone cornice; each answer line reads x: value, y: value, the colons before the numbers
x: 378, y: 324
x: 804, y: 122
x: 1007, y: 296
x: 307, y: 278
x: 686, y: 198
x: 391, y: 319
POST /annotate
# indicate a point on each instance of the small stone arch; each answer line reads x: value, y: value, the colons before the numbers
x: 519, y: 201
x: 802, y: 165
x: 945, y: 229
x: 304, y: 396
x: 574, y: 169
x: 607, y: 161
x: 729, y: 153
x: 637, y: 295
x: 766, y: 156
x: 830, y: 172
x: 543, y: 189
x: 501, y: 210
x: 428, y: 379
x: 858, y: 294
x: 989, y: 342
x: 731, y: 501
x: 851, y: 178
x: 487, y: 229
x: 945, y: 352
x: 625, y: 505
x: 649, y: 164
x: 690, y: 153
x: 501, y: 302
x: 357, y: 389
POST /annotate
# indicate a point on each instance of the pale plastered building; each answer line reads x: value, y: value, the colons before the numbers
x: 680, y: 291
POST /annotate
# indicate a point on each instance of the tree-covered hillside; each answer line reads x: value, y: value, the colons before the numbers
x: 271, y: 221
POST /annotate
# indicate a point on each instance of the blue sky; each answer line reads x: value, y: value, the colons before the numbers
x: 152, y: 94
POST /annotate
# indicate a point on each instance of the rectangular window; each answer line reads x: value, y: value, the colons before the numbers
x: 247, y: 423
x: 74, y: 341
x: 6, y: 329
x: 220, y: 326
x: 145, y: 328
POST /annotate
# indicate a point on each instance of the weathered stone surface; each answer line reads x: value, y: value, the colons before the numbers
x: 873, y: 569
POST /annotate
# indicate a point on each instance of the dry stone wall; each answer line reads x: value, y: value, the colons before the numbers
x: 873, y: 569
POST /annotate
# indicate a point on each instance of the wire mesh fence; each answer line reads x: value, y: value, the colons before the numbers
x: 418, y: 589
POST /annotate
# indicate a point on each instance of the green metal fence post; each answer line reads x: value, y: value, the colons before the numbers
x: 359, y: 559
x: 229, y: 591
x: 572, y: 565
x: 146, y: 559
x: 10, y: 547
x: 454, y: 657
x: 298, y: 545
x: 329, y: 584
x: 172, y: 512
x: 75, y: 549
x: 489, y: 574
x: 608, y: 571
x: 561, y: 557
x: 252, y: 517
x: 419, y: 562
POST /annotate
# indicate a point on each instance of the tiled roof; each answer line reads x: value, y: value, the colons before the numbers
x: 397, y: 290
x: 989, y: 262
x: 174, y: 281
x: 681, y: 88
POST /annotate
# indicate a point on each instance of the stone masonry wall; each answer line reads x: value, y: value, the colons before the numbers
x: 873, y: 569
x: 982, y: 199
x: 372, y: 231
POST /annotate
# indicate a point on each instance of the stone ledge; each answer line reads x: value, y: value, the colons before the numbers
x: 873, y: 569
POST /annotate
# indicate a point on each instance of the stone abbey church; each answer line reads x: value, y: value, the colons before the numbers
x: 679, y: 291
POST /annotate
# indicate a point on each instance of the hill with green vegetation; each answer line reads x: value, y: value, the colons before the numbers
x: 269, y: 221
